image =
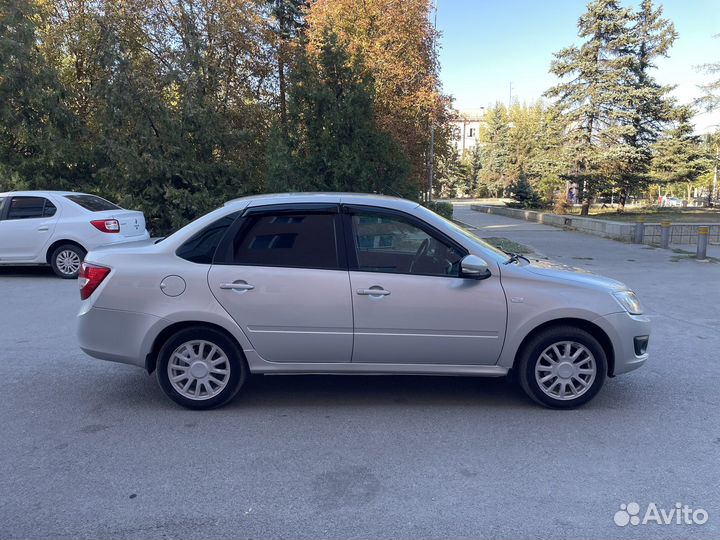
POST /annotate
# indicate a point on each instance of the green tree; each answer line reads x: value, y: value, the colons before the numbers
x: 453, y: 174
x: 679, y: 156
x: 644, y: 107
x: 523, y: 193
x: 37, y: 132
x: 494, y: 138
x: 287, y: 21
x: 474, y: 168
x: 335, y: 144
x: 595, y: 76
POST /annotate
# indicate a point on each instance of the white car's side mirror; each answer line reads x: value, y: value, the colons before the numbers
x: 474, y: 267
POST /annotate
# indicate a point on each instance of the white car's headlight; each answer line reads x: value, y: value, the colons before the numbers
x: 629, y: 301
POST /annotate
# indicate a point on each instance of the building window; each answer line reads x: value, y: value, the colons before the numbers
x: 471, y: 132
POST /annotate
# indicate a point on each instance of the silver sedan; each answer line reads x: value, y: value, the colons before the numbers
x: 348, y: 283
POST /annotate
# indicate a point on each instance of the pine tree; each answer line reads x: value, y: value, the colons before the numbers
x: 522, y: 191
x: 334, y: 143
x: 679, y: 156
x: 288, y: 21
x: 646, y: 101
x: 494, y: 151
x: 595, y: 81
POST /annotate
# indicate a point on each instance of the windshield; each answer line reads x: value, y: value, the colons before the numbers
x: 467, y: 234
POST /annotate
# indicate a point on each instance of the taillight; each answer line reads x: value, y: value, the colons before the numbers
x: 90, y: 277
x: 106, y: 225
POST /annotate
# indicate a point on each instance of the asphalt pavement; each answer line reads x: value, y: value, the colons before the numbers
x: 94, y: 449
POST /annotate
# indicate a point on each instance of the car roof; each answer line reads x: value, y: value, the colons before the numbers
x: 39, y: 192
x: 371, y: 199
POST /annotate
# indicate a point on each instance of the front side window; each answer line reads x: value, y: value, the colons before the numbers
x: 385, y: 243
x: 30, y: 207
x: 2, y: 205
x: 292, y: 240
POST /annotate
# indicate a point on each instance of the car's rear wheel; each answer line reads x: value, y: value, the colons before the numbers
x: 66, y: 260
x: 200, y: 368
x: 562, y: 367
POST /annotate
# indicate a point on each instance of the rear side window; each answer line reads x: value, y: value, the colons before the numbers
x: 292, y: 240
x: 49, y: 209
x: 202, y: 245
x: 93, y: 203
x: 2, y: 204
x: 30, y: 207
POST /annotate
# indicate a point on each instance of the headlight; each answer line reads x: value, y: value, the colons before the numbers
x: 629, y: 301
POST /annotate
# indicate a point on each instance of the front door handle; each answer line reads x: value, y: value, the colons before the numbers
x: 373, y: 291
x: 237, y: 286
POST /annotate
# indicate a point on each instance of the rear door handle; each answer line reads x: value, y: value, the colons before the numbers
x: 237, y: 286
x: 373, y: 292
x: 43, y: 228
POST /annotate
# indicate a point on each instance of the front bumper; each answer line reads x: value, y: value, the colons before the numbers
x: 115, y: 335
x: 622, y: 329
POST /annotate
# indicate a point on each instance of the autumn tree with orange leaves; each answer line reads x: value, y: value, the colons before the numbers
x: 395, y: 41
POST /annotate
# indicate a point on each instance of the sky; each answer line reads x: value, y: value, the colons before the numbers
x: 488, y: 44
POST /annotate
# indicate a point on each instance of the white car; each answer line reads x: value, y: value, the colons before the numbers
x: 671, y: 202
x: 59, y: 227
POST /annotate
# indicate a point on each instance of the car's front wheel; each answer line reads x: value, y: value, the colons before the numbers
x: 66, y: 260
x: 562, y: 367
x: 200, y: 368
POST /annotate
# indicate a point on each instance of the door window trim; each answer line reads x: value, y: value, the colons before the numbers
x: 10, y: 198
x: 224, y: 254
x: 349, y: 210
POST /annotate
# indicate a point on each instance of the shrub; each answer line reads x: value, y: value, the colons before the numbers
x: 445, y: 209
x: 523, y: 193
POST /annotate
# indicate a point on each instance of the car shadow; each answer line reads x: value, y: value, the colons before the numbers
x: 266, y: 392
x: 26, y: 271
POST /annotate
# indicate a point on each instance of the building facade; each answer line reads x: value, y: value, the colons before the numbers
x: 465, y: 130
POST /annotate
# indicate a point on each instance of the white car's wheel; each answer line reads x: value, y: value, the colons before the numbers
x: 200, y: 368
x: 562, y: 367
x: 66, y: 260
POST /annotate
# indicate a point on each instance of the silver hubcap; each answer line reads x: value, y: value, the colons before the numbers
x: 68, y: 262
x: 565, y: 370
x: 198, y: 370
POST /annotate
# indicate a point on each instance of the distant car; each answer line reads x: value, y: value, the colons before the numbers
x: 350, y: 283
x: 59, y: 227
x: 670, y: 202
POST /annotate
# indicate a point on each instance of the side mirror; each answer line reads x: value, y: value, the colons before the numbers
x: 474, y: 267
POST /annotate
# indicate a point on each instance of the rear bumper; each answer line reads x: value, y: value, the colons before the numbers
x: 623, y: 328
x: 117, y: 336
x: 112, y: 239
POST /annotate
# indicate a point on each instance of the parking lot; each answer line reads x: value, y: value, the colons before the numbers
x: 94, y: 449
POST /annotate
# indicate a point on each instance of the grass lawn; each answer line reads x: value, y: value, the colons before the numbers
x: 653, y: 215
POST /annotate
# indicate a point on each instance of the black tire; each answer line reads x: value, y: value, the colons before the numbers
x: 59, y: 260
x: 235, y: 362
x: 531, y: 355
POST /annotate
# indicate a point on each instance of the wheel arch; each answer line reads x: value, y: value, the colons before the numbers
x: 152, y: 357
x: 57, y: 243
x: 590, y: 327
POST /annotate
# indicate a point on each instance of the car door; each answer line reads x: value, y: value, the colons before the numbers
x: 26, y: 227
x: 410, y: 304
x: 281, y: 273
